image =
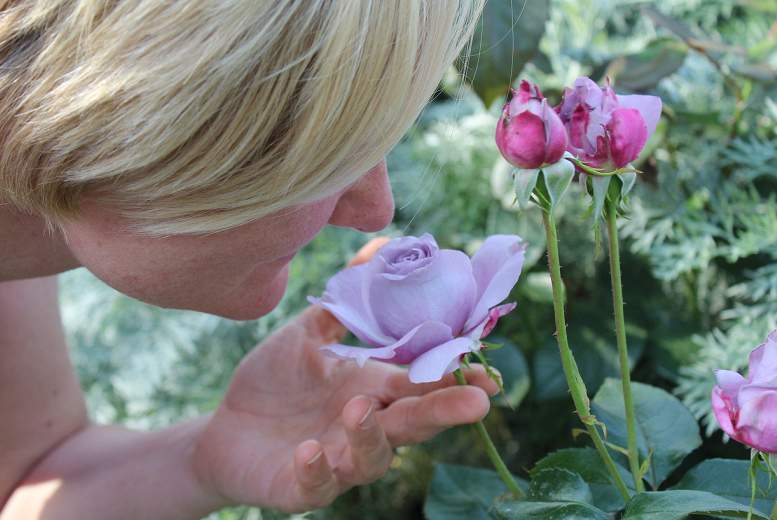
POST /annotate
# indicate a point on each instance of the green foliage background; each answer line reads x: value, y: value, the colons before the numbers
x: 700, y: 259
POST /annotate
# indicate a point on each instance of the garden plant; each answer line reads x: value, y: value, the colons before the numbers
x: 589, y: 209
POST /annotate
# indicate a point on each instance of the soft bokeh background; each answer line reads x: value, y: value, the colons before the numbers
x: 700, y: 259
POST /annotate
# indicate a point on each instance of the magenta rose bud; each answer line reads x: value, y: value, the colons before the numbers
x: 530, y: 134
x: 418, y: 305
x: 607, y: 130
x: 746, y: 409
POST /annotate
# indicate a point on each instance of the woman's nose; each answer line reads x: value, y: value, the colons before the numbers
x: 368, y: 205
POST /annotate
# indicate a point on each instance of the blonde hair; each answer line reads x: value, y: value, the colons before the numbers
x: 198, y: 116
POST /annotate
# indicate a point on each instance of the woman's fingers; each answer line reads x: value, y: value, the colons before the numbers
x: 316, y: 484
x: 371, y: 452
x: 415, y: 419
x: 398, y: 385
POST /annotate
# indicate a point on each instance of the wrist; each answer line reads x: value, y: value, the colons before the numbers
x: 113, y: 472
x: 203, y: 494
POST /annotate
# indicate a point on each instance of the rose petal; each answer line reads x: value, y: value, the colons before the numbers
x: 419, y: 340
x: 757, y: 421
x: 443, y: 291
x: 649, y: 107
x: 437, y: 362
x: 598, y: 120
x: 496, y: 267
x: 555, y: 135
x: 521, y: 97
x: 609, y: 98
x: 494, y: 315
x: 588, y: 92
x: 388, y: 255
x: 428, y: 335
x: 521, y: 139
x: 763, y: 363
x: 577, y: 126
x: 628, y: 135
x: 485, y: 327
x: 722, y: 409
x: 346, y: 297
x: 729, y: 382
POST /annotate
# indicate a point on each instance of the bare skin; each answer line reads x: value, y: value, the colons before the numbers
x: 292, y: 432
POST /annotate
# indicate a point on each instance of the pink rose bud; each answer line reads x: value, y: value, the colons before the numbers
x: 607, y: 130
x: 746, y: 409
x: 529, y: 133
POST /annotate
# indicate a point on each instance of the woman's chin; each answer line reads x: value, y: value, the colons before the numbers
x: 258, y: 301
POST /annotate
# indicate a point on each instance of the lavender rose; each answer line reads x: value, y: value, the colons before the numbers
x: 746, y: 409
x: 414, y: 303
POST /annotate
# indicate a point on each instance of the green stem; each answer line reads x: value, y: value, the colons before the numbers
x: 611, y: 215
x: 488, y: 444
x: 773, y: 516
x: 574, y: 380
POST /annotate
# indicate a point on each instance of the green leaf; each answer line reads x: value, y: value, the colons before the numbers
x: 756, y: 71
x: 673, y: 347
x: 463, y: 493
x: 672, y: 24
x: 559, y: 485
x: 679, y: 504
x: 593, y: 345
x: 586, y: 463
x: 664, y: 425
x: 643, y: 70
x: 558, y: 177
x: 516, y: 510
x: 511, y: 363
x: 506, y: 38
x: 524, y: 182
x: 728, y: 478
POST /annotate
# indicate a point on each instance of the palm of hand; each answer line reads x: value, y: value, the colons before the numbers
x: 288, y: 402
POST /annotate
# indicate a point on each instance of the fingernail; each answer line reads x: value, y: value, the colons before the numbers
x: 315, y: 458
x: 367, y: 419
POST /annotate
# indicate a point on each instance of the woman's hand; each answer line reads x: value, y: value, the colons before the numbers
x: 297, y: 428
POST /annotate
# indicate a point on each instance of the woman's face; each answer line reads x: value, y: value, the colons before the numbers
x: 240, y: 273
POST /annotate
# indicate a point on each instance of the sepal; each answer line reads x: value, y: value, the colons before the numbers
x: 558, y: 177
x: 524, y: 182
x: 546, y: 185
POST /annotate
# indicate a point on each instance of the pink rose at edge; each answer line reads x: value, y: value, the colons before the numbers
x: 418, y: 305
x: 529, y: 133
x: 607, y: 130
x: 746, y: 409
